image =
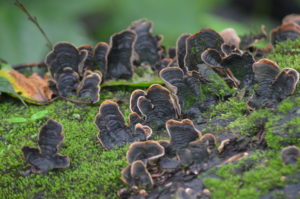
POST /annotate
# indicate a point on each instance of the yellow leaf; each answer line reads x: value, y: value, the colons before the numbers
x: 33, y: 89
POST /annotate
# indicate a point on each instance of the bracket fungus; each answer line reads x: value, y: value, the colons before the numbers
x: 96, y: 59
x: 120, y: 55
x: 181, y: 133
x: 240, y: 65
x: 181, y: 50
x: 145, y: 151
x: 198, y: 43
x: 274, y: 84
x: 113, y: 130
x: 155, y: 105
x: 284, y: 32
x: 70, y: 76
x: 185, y: 87
x: 46, y: 157
x: 290, y: 155
x: 201, y: 154
x: 147, y: 46
x: 64, y: 55
x: 137, y: 174
x: 88, y: 89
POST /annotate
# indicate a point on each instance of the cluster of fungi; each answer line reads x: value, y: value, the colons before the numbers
x: 203, y: 69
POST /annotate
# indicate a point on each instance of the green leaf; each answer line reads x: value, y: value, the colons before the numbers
x: 39, y: 115
x: 7, y: 88
x: 16, y: 119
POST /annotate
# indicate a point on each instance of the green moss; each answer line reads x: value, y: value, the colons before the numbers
x: 287, y: 104
x: 232, y: 108
x: 249, y: 124
x: 283, y: 128
x: 94, y: 172
x: 287, y: 54
x: 264, y: 174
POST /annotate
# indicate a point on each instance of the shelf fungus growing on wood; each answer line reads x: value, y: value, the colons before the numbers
x: 290, y: 155
x: 147, y: 45
x: 96, y: 59
x: 120, y: 56
x: 274, y: 84
x: 197, y: 43
x: 137, y: 175
x: 69, y: 78
x: 155, y: 105
x: 287, y: 31
x: 185, y: 87
x: 46, y: 157
x: 181, y: 50
x: 146, y: 151
x: 238, y: 65
x: 89, y: 87
x: 181, y: 133
x: 113, y: 130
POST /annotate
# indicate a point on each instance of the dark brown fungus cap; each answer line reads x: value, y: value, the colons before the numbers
x: 181, y: 50
x: 89, y: 88
x: 113, y: 130
x: 144, y: 151
x: 89, y: 61
x: 211, y: 57
x: 64, y: 55
x: 67, y: 82
x: 181, y: 133
x: 135, y: 118
x: 46, y: 157
x: 265, y: 70
x: 284, y: 32
x: 273, y: 85
x: 147, y: 46
x: 133, y: 100
x: 290, y: 155
x: 228, y: 49
x: 197, y: 43
x: 110, y: 121
x: 157, y: 106
x: 285, y: 83
x: 231, y: 37
x: 201, y: 154
x: 120, y: 56
x: 142, y: 132
x: 185, y: 87
x: 163, y: 63
x: 292, y: 18
x: 241, y: 67
x: 100, y: 56
x: 172, y: 53
x: 137, y: 175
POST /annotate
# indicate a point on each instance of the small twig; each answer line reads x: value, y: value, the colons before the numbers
x: 74, y: 100
x: 34, y: 21
x: 29, y: 65
x: 2, y: 61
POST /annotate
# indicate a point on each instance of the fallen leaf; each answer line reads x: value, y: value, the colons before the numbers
x: 33, y: 89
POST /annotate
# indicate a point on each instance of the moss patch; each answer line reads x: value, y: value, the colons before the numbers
x: 94, y: 172
x: 287, y: 54
x: 251, y: 177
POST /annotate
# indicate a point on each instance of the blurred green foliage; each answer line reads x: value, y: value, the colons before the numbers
x: 90, y: 21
